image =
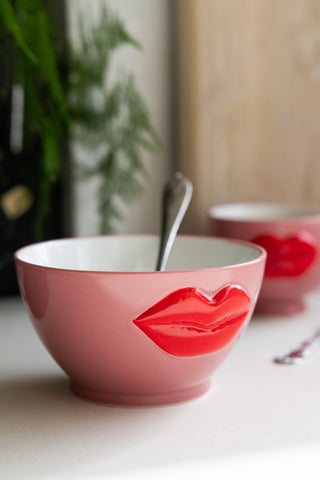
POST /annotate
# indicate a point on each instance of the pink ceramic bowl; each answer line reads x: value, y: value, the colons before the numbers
x: 127, y: 335
x: 290, y: 235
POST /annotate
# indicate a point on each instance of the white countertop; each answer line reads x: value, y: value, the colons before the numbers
x: 260, y: 420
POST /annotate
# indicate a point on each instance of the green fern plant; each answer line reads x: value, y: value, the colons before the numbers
x: 36, y: 70
x: 117, y: 130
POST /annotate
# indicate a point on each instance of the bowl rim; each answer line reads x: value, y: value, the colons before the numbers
x: 260, y: 258
x: 303, y: 212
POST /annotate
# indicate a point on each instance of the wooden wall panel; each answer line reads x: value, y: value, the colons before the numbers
x: 248, y: 101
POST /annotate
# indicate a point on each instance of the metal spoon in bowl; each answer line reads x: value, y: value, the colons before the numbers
x: 176, y: 198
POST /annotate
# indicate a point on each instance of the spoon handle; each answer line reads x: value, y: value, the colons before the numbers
x: 303, y: 351
x: 176, y: 198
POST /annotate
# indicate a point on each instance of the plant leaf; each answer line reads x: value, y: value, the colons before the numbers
x: 10, y: 21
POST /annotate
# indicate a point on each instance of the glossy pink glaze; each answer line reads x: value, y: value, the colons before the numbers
x: 294, y: 263
x: 86, y: 321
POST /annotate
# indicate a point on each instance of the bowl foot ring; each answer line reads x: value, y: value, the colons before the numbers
x: 140, y: 399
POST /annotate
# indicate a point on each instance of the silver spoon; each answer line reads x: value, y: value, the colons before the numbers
x: 301, y: 353
x: 176, y: 198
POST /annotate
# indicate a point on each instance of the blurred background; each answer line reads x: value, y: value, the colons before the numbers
x: 101, y: 101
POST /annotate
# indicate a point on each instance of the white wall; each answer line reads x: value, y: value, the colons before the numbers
x: 149, y: 22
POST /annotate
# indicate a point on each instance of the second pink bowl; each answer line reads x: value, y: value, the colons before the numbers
x: 291, y: 236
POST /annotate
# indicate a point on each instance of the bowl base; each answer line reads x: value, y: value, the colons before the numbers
x: 140, y: 399
x: 279, y: 307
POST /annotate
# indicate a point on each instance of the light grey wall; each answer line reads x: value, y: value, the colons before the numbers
x: 149, y: 22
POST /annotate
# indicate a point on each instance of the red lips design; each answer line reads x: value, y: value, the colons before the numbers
x: 288, y: 257
x: 190, y: 322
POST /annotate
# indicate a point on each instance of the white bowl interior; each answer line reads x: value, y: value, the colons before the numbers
x: 261, y: 211
x: 136, y: 253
